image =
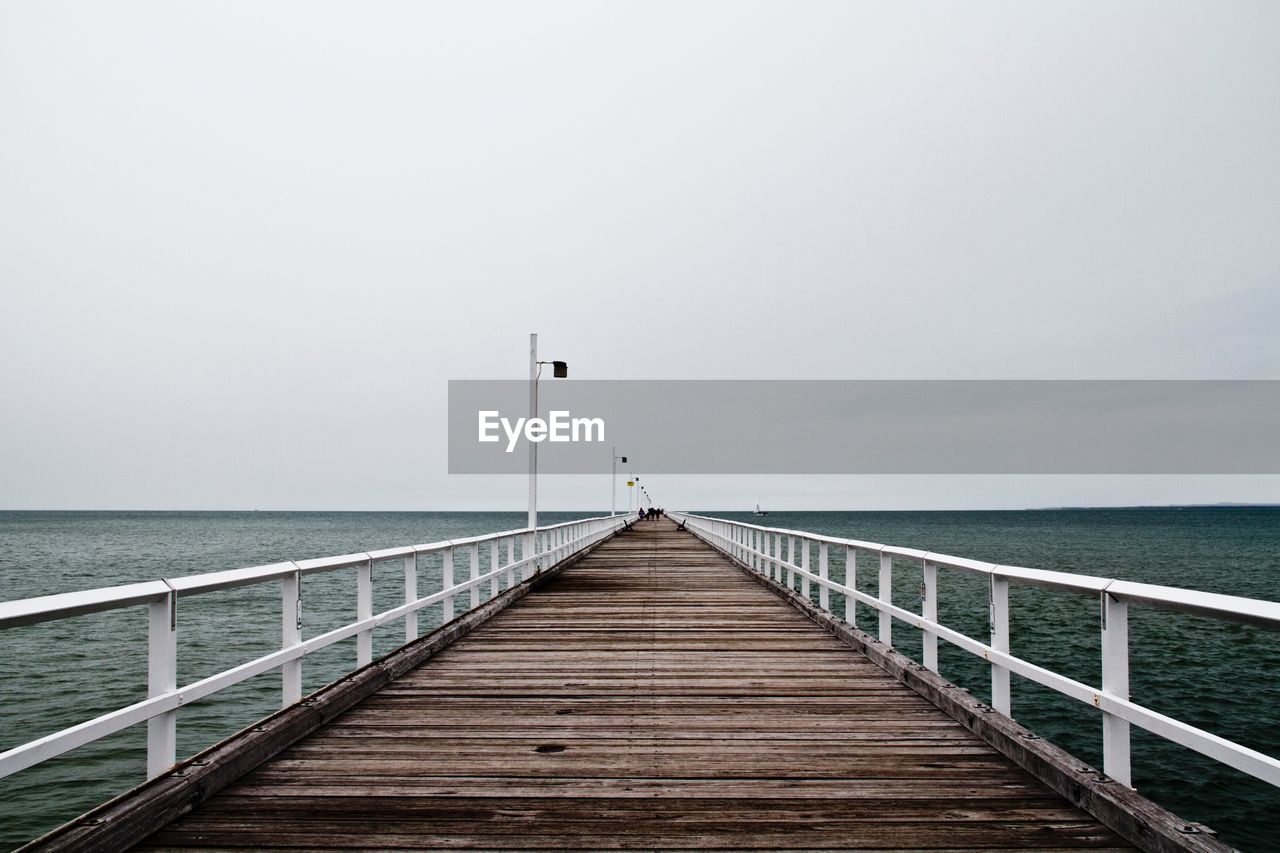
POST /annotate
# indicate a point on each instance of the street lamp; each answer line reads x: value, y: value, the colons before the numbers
x: 560, y: 370
x: 613, y: 480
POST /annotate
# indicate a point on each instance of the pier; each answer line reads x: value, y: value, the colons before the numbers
x: 653, y: 685
x: 651, y: 696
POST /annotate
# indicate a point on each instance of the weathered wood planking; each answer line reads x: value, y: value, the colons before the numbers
x: 652, y: 696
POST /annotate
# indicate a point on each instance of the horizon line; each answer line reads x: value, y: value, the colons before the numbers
x: 1196, y: 505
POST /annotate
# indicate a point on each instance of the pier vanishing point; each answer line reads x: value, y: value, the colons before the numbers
x: 660, y: 684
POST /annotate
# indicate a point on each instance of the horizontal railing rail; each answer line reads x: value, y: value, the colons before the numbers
x: 761, y: 549
x: 539, y: 548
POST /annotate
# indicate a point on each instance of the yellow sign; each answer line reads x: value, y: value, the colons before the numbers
x: 630, y: 483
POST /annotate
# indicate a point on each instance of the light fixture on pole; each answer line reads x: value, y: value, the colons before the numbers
x: 613, y: 481
x: 560, y: 370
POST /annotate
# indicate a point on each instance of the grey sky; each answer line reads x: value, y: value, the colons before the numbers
x: 244, y: 245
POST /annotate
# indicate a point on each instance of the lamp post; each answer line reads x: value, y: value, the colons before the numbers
x: 560, y: 370
x: 613, y: 480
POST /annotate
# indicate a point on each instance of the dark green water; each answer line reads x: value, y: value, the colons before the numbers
x: 1217, y: 676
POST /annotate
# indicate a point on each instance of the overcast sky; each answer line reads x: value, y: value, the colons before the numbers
x: 243, y: 246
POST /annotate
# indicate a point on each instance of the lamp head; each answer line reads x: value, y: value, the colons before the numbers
x: 560, y: 369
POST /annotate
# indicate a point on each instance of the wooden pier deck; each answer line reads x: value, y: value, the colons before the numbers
x: 651, y: 696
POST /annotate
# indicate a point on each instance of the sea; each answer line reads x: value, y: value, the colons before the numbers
x: 1222, y: 677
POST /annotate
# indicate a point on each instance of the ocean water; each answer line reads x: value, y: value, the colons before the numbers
x: 1222, y: 677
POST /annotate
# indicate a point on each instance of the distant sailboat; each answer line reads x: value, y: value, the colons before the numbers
x: 759, y: 511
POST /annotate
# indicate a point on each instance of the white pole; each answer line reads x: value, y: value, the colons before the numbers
x: 1115, y: 681
x: 613, y: 482
x: 533, y: 445
x: 162, y: 678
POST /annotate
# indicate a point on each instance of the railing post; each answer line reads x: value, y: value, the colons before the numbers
x: 751, y: 548
x: 364, y: 610
x: 511, y: 560
x: 475, y: 574
x: 824, y: 594
x: 162, y: 678
x: 886, y: 595
x: 495, y: 563
x: 804, y: 564
x: 851, y: 581
x: 1000, y: 695
x: 291, y: 635
x: 1115, y: 682
x: 446, y: 581
x: 410, y: 596
x: 929, y: 610
x: 791, y: 562
x: 771, y: 548
x: 777, y: 557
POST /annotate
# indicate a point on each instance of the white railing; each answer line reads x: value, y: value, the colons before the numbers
x: 539, y: 549
x: 761, y: 549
